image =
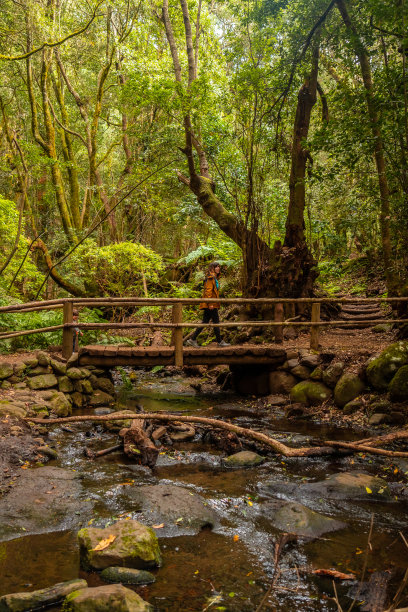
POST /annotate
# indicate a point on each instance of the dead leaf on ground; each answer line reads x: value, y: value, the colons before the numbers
x: 105, y: 543
x: 334, y: 574
x: 158, y: 526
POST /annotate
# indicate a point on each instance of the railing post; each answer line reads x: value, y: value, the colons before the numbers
x: 314, y: 329
x: 177, y: 336
x: 67, y: 336
x: 278, y: 317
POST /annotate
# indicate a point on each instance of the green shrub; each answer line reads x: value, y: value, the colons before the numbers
x: 116, y: 269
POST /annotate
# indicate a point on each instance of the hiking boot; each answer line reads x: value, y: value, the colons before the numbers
x: 191, y: 342
x: 223, y: 343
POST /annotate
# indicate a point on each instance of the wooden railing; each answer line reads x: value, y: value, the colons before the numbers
x: 177, y: 324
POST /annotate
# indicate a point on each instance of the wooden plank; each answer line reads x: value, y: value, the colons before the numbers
x: 125, y: 351
x: 111, y: 351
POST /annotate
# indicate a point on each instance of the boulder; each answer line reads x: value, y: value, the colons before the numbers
x: 301, y: 371
x: 65, y: 384
x: 108, y: 598
x: 317, y: 374
x: 281, y: 382
x: 77, y: 399
x: 276, y: 400
x: 100, y: 398
x: 348, y: 387
x: 19, y: 369
x: 6, y: 370
x: 104, y: 384
x: 381, y: 405
x: 60, y: 405
x: 181, y: 510
x: 6, y: 384
x: 343, y: 486
x: 87, y: 386
x: 291, y: 363
x: 353, y: 406
x: 310, y: 360
x: 44, y: 381
x: 9, y: 408
x: 295, y: 518
x: 31, y: 362
x: 244, y: 459
x: 58, y: 367
x: 43, y: 359
x: 398, y: 386
x: 133, y: 545
x: 127, y: 575
x: 42, y: 500
x: 383, y: 368
x: 378, y: 418
x: 310, y: 392
x: 20, y: 602
x: 85, y: 372
x: 75, y: 373
x: 38, y: 370
x: 332, y: 374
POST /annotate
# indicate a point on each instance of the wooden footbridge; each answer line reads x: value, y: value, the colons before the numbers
x: 283, y: 310
x: 109, y: 356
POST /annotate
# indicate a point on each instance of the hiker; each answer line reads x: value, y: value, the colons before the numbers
x: 76, y: 332
x: 210, y: 309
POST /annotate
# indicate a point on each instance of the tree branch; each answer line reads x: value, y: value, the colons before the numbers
x: 53, y: 44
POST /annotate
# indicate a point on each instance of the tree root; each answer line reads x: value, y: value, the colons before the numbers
x: 329, y: 447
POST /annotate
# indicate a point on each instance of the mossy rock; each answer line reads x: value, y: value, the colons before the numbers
x: 127, y: 575
x: 75, y: 373
x: 7, y: 407
x: 398, y: 387
x: 134, y: 545
x: 381, y: 370
x: 44, y: 381
x: 332, y: 374
x: 348, y: 387
x: 104, y: 384
x: 6, y: 370
x: 116, y: 426
x: 43, y: 358
x: 20, y: 602
x: 310, y: 392
x: 295, y: 518
x: 316, y: 374
x: 58, y: 367
x: 60, y: 405
x: 65, y: 384
x: 100, y: 398
x: 108, y: 598
x: 244, y: 459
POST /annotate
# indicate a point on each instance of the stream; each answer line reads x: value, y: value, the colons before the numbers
x: 230, y: 566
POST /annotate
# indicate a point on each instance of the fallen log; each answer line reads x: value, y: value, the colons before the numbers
x: 327, y: 448
x: 105, y: 451
x: 137, y: 444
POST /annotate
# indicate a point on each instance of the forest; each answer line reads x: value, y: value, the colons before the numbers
x: 161, y: 160
x: 141, y: 140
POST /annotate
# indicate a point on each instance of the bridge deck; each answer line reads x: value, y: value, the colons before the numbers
x: 111, y: 356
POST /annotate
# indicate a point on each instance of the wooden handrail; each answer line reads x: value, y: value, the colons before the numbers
x: 143, y: 301
x: 177, y: 324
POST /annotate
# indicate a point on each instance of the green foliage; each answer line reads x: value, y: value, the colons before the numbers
x: 116, y: 269
x: 29, y: 278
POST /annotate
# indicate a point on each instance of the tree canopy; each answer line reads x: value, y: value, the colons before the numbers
x: 173, y: 128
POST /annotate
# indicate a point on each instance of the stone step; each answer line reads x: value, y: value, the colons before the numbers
x: 369, y: 316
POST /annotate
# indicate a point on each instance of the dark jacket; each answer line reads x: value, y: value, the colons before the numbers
x: 210, y: 291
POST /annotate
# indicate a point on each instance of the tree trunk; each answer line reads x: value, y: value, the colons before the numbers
x: 385, y: 214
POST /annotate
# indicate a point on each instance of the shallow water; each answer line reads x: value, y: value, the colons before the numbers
x: 215, y: 570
